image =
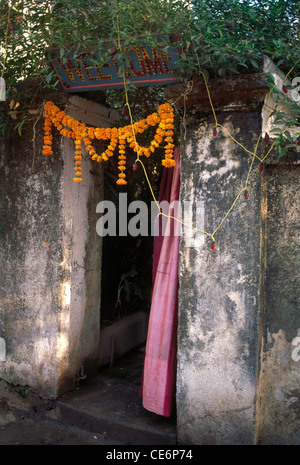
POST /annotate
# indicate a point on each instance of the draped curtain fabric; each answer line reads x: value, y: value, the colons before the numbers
x: 159, y: 375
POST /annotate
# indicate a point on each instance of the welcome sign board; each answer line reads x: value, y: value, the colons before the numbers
x: 147, y: 67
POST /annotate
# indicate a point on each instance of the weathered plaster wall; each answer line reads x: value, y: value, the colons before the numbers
x: 50, y: 257
x: 218, y: 309
x: 238, y: 362
x: 31, y: 203
x: 279, y: 388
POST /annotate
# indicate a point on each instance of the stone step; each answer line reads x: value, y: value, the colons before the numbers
x: 114, y: 408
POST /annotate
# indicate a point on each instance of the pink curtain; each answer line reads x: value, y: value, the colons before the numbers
x: 159, y: 376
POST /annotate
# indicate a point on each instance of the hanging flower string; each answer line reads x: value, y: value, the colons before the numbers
x: 117, y: 137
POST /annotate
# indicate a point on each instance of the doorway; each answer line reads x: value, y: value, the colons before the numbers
x: 126, y: 282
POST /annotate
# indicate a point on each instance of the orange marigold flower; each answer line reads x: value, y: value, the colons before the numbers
x: 168, y: 163
x: 121, y: 182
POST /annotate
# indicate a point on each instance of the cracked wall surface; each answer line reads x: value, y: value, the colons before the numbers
x: 50, y: 255
x: 238, y: 324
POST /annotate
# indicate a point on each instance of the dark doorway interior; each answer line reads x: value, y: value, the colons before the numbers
x: 127, y: 260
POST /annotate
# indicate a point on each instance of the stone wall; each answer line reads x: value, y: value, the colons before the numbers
x: 237, y: 382
x: 278, y: 411
x: 50, y: 256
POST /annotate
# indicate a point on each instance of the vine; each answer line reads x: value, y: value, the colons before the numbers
x: 79, y: 132
x: 228, y: 37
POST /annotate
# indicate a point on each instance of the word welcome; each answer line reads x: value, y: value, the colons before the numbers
x: 146, y: 67
x: 162, y: 218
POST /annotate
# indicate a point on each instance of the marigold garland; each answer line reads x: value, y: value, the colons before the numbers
x: 117, y: 137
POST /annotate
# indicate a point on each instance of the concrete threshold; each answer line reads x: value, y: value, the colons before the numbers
x: 110, y: 405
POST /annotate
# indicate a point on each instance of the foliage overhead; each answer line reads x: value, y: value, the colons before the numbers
x: 222, y: 37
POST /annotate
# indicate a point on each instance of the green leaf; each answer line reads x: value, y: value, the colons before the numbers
x: 254, y: 63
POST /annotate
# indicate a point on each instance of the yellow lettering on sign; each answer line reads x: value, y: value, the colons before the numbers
x: 98, y: 69
x: 71, y: 70
x: 152, y: 66
x: 164, y: 60
x: 141, y: 63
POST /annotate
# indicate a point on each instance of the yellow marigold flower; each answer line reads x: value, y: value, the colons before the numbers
x: 77, y: 179
x: 121, y: 182
x: 91, y: 133
x: 168, y: 163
